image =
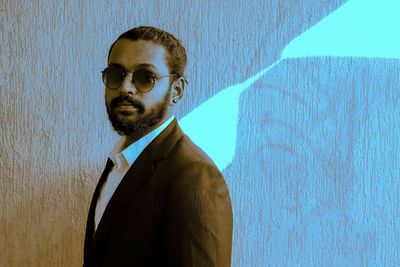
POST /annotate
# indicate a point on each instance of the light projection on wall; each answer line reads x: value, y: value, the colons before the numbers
x: 359, y: 28
x: 220, y: 113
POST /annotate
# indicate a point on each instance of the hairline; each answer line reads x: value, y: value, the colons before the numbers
x: 167, y: 54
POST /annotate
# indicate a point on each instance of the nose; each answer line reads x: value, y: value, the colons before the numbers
x: 127, y: 85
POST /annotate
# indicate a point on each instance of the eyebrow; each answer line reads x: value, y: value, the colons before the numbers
x: 138, y: 66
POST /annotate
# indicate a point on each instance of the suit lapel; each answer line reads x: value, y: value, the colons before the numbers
x: 136, y: 176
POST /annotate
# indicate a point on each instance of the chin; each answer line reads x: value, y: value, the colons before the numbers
x: 131, y: 118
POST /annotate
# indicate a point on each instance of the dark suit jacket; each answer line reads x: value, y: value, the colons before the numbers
x: 172, y: 208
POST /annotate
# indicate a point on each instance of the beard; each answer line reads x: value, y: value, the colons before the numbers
x: 143, y: 122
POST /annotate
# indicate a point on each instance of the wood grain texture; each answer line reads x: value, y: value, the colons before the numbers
x: 315, y: 180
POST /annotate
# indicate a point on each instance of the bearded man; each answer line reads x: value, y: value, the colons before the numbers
x: 160, y: 201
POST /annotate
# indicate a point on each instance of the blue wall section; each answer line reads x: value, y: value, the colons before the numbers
x: 302, y: 119
x: 323, y: 189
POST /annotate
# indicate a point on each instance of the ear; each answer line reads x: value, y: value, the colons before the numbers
x: 178, y: 87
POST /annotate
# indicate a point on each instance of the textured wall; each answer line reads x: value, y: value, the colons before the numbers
x: 315, y: 178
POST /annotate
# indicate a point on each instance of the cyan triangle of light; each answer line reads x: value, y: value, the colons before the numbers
x: 359, y: 28
x: 213, y: 124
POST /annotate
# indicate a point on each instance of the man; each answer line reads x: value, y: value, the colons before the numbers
x: 160, y: 200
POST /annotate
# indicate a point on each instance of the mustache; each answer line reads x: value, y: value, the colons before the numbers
x: 127, y: 98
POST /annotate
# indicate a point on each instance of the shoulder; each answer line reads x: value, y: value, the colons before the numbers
x: 186, y: 145
x: 187, y: 156
x: 193, y: 172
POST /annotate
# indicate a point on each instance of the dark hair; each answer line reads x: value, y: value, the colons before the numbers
x: 176, y: 56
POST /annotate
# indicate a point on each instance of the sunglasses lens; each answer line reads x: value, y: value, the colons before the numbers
x: 143, y: 80
x: 112, y: 77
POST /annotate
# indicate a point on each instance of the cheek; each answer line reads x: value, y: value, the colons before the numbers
x: 159, y: 93
x: 150, y: 100
x: 147, y: 102
x: 110, y: 95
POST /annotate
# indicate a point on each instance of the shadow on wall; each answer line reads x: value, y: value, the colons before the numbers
x: 359, y: 28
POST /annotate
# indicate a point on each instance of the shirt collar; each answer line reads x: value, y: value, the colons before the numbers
x: 132, y: 152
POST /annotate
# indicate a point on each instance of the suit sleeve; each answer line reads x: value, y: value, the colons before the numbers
x: 199, y: 218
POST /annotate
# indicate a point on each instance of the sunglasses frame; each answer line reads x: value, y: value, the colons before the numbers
x: 125, y: 72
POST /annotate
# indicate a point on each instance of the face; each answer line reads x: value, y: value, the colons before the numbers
x: 132, y: 112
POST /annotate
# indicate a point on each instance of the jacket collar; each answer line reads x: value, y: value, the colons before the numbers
x: 132, y: 152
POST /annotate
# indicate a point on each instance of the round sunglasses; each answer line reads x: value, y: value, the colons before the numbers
x: 143, y: 79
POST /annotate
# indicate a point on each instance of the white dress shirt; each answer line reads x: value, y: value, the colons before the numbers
x: 123, y: 159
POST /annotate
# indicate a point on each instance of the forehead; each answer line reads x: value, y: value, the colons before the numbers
x: 130, y: 54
